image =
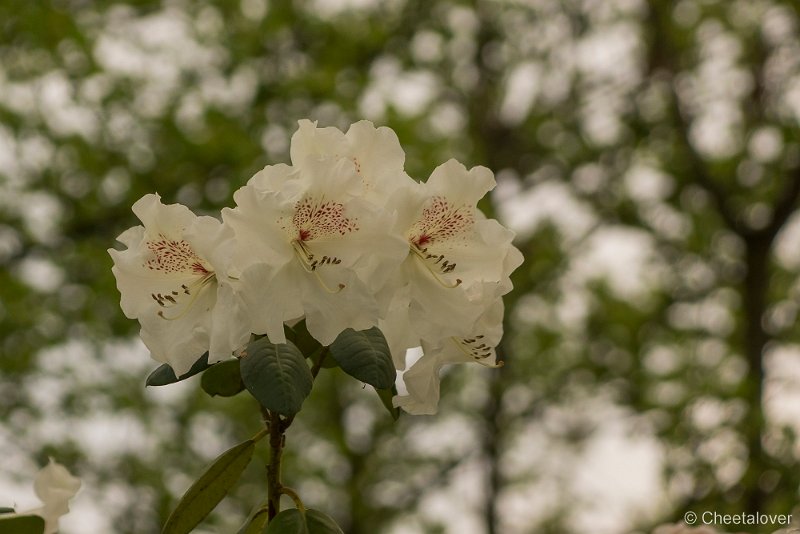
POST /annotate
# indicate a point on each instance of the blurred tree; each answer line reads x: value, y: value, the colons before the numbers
x: 647, y: 152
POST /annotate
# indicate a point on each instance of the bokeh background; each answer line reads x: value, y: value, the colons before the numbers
x: 647, y: 154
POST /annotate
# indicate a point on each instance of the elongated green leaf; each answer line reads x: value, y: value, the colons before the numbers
x: 223, y: 379
x: 386, y: 396
x: 6, y: 510
x: 288, y: 522
x: 22, y: 524
x: 365, y: 355
x: 209, y: 489
x: 276, y: 375
x: 319, y: 523
x: 164, y: 374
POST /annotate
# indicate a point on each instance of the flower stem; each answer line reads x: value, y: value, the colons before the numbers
x: 277, y: 441
x: 276, y: 426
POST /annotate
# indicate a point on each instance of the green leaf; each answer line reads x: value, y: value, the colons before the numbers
x: 276, y: 375
x: 328, y: 362
x: 293, y: 521
x: 164, y: 374
x: 209, y: 489
x: 386, y: 398
x: 22, y: 524
x: 223, y: 379
x: 319, y: 523
x: 288, y: 522
x: 365, y: 355
x: 299, y: 335
x: 257, y: 520
x: 6, y: 510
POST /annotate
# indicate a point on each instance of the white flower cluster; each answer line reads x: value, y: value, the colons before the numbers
x: 344, y: 238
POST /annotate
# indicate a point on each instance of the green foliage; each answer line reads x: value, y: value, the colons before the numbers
x: 325, y: 361
x: 386, y: 396
x: 223, y: 379
x: 365, y: 356
x: 164, y: 374
x: 320, y: 523
x: 290, y: 521
x: 257, y: 520
x: 22, y: 524
x: 309, y: 521
x: 204, y: 495
x: 299, y: 335
x: 276, y: 375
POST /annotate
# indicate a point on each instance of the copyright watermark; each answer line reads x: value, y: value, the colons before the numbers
x: 715, y: 518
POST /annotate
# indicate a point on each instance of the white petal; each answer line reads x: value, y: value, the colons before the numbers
x: 180, y: 340
x: 271, y: 297
x: 328, y: 314
x: 375, y: 250
x: 168, y: 220
x: 256, y: 225
x: 422, y: 384
x: 479, y: 256
x: 436, y: 309
x: 422, y: 380
x: 54, y: 486
x: 309, y: 140
x: 398, y: 330
x: 231, y: 324
x: 132, y: 236
x: 137, y: 285
x: 379, y: 159
x: 330, y: 177
x: 459, y: 185
x: 272, y: 177
x: 375, y: 153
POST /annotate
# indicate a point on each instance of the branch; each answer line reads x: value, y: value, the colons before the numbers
x: 277, y: 441
x: 274, y: 468
x: 700, y: 170
x: 785, y: 205
x: 662, y: 57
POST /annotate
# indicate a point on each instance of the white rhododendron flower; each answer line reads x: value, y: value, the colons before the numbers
x: 458, y: 268
x: 376, y: 154
x: 422, y: 379
x: 172, y: 278
x: 309, y: 245
x: 452, y: 248
x: 54, y: 486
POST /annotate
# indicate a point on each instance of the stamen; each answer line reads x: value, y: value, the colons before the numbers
x: 194, y: 290
x: 325, y: 286
x: 305, y: 256
x: 423, y: 257
x: 310, y: 264
x: 479, y: 358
